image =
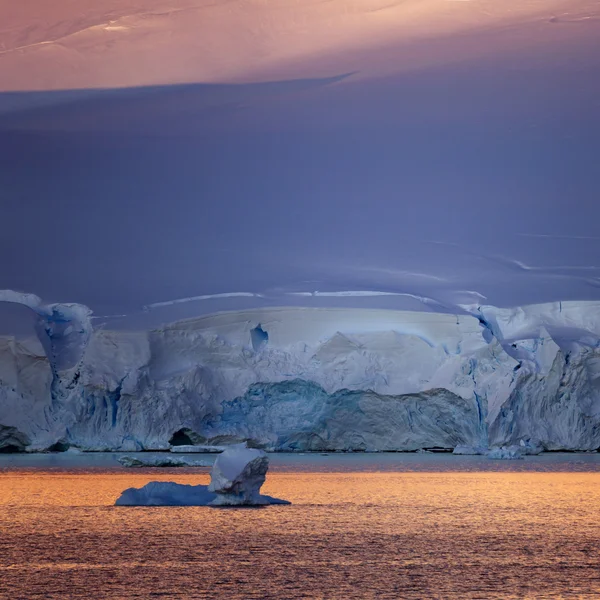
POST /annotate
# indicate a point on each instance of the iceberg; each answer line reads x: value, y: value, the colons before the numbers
x: 236, y: 479
x: 167, y: 461
x: 505, y: 453
x: 166, y: 493
x: 237, y: 476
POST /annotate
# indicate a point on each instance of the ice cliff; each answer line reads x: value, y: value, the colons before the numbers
x: 64, y: 331
x: 308, y: 379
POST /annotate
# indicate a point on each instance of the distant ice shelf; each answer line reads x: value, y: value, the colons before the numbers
x: 300, y: 379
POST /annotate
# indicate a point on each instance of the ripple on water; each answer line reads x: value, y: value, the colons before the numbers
x: 354, y: 534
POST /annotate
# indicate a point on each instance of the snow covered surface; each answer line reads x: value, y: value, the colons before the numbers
x: 326, y: 379
x: 93, y: 47
x: 235, y: 132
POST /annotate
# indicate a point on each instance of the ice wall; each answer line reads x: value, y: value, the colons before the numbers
x: 64, y: 331
x: 312, y: 379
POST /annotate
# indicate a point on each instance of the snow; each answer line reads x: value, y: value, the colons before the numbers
x: 236, y: 478
x: 231, y: 75
x: 100, y: 45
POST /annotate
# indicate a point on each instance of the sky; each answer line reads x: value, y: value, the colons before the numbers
x: 419, y: 154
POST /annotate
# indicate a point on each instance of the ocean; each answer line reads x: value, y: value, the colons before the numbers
x: 360, y: 526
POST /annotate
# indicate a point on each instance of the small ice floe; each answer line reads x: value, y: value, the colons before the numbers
x: 531, y: 447
x: 166, y: 461
x: 196, y: 449
x: 470, y: 450
x: 505, y: 453
x: 236, y: 479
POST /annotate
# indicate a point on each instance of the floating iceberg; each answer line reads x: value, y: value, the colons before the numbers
x: 166, y: 493
x: 167, y: 461
x: 236, y: 479
x: 237, y: 476
x: 505, y: 453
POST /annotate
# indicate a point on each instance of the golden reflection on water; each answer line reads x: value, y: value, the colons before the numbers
x: 347, y: 535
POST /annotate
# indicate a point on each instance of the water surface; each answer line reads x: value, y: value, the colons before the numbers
x: 370, y: 526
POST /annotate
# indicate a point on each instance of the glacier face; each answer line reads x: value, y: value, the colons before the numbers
x: 64, y: 331
x: 312, y: 379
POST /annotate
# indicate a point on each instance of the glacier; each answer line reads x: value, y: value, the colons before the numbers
x: 306, y: 379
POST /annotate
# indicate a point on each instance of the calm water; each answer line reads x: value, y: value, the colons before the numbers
x: 389, y: 526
